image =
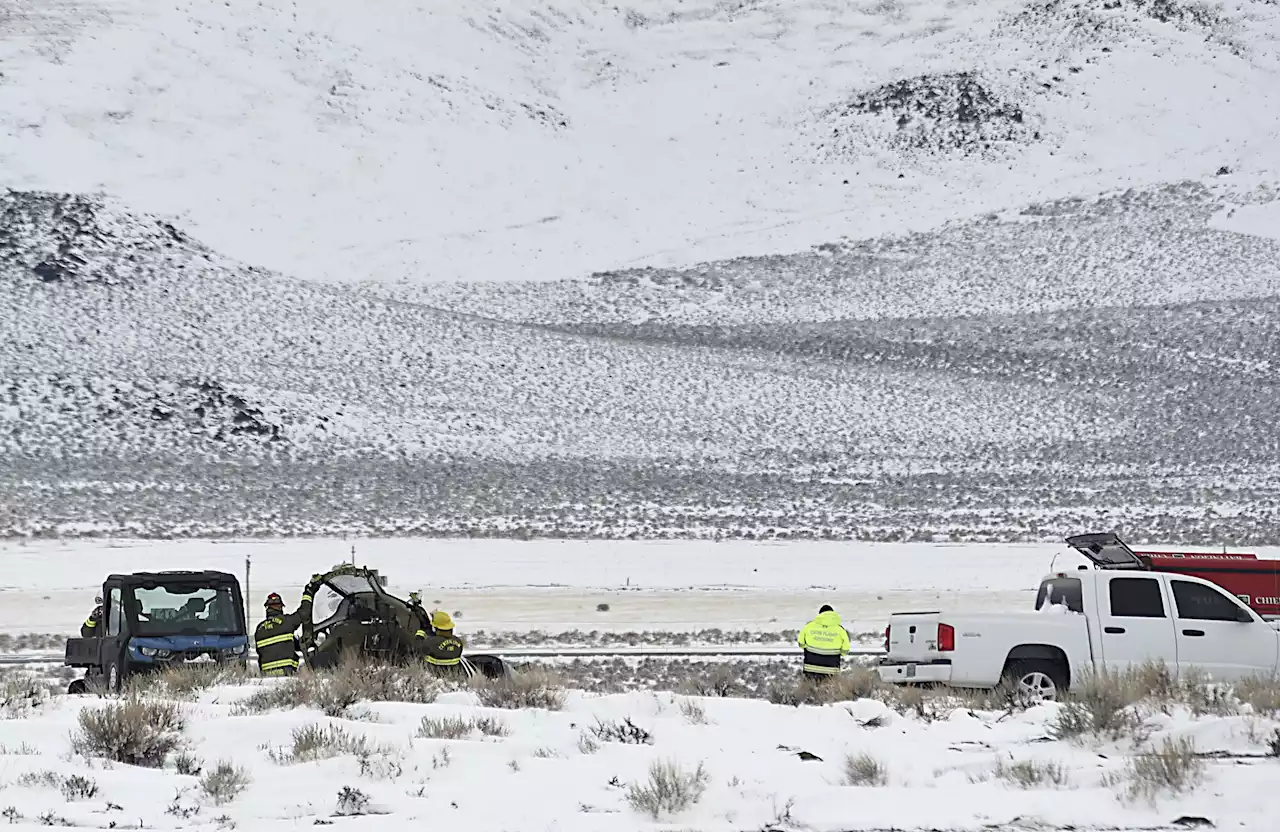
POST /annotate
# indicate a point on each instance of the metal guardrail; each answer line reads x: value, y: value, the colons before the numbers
x: 656, y: 651
x: 557, y: 653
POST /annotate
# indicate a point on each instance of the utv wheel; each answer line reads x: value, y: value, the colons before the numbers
x: 1036, y: 680
x: 113, y: 679
x: 78, y: 687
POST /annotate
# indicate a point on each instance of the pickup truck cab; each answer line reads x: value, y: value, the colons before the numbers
x: 1114, y: 616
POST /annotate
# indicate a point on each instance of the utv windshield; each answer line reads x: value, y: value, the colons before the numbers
x: 326, y: 603
x: 186, y: 610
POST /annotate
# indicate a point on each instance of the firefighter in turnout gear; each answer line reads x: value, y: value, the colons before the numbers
x: 91, y: 628
x: 825, y: 641
x: 442, y: 650
x: 274, y: 639
x: 424, y: 618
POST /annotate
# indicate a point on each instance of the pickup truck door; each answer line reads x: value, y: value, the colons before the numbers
x: 1220, y: 636
x: 1135, y: 623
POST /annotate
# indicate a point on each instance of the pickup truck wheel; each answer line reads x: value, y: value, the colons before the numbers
x: 1036, y: 680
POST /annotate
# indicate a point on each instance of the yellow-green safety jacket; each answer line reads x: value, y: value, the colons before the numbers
x: 824, y: 640
x: 274, y: 641
x: 89, y: 629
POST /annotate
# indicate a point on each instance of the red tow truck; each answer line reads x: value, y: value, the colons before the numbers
x: 1254, y: 580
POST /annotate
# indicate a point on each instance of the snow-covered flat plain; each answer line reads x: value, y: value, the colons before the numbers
x: 501, y: 585
x: 544, y: 770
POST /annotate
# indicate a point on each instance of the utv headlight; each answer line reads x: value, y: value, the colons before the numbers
x: 231, y: 652
x: 154, y: 652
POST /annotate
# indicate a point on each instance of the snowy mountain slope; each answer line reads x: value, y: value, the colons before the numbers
x: 1177, y: 243
x: 547, y: 140
x: 401, y: 379
x: 225, y: 399
x: 1040, y: 298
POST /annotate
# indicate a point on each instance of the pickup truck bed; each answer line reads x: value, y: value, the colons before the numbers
x: 1086, y: 620
x: 975, y: 650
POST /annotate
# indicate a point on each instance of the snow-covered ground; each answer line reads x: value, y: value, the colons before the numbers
x: 952, y: 769
x: 555, y: 587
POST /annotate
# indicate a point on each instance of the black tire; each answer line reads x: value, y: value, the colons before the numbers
x: 1035, y: 680
x: 78, y: 687
x: 492, y: 667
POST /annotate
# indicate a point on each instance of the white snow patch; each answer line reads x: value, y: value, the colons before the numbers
x: 749, y: 750
x: 1257, y: 220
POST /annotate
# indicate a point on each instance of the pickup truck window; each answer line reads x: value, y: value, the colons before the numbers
x: 1203, y: 603
x: 1065, y: 592
x: 1136, y: 598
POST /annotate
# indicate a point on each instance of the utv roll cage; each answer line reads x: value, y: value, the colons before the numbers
x: 354, y: 597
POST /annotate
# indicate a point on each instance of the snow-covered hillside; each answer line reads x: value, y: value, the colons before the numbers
x: 153, y: 387
x: 508, y: 140
x: 1019, y: 271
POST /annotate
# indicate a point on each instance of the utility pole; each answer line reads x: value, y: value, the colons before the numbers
x: 247, y: 595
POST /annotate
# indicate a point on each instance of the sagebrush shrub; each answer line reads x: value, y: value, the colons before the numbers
x: 224, y: 782
x: 1102, y: 704
x: 187, y: 763
x: 1260, y: 693
x: 187, y: 679
x: 134, y: 731
x: 334, y: 691
x: 492, y: 726
x: 531, y: 689
x: 318, y: 742
x: 445, y: 728
x: 20, y: 694
x: 852, y: 683
x: 1027, y: 774
x: 693, y: 712
x: 78, y: 787
x: 352, y: 801
x: 626, y: 732
x: 670, y: 789
x: 864, y: 770
x: 718, y: 680
x: 1173, y: 767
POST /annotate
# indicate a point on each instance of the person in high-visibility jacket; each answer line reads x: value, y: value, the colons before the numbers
x: 441, y: 650
x: 274, y: 641
x: 825, y: 641
x: 91, y: 628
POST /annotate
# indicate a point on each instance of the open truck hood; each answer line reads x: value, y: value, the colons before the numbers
x: 1106, y: 550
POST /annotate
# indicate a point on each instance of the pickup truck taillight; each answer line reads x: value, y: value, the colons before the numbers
x: 946, y: 638
x: 886, y: 638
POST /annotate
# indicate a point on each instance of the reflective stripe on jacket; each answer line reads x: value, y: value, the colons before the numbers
x: 89, y: 629
x: 442, y: 651
x: 824, y: 640
x: 274, y: 642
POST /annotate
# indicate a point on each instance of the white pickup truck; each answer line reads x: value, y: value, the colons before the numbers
x: 1115, y: 616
